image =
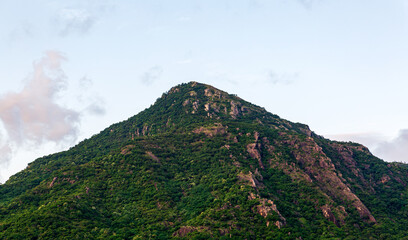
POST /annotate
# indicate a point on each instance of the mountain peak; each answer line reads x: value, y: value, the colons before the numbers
x: 214, y: 103
x: 201, y: 163
x: 191, y: 105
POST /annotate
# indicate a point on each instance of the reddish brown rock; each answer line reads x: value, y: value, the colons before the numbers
x: 253, y: 150
x: 211, y: 130
x: 52, y: 182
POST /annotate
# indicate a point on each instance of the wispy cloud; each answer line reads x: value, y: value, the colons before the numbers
x: 283, y: 78
x: 81, y: 18
x: 96, y: 108
x: 152, y: 75
x: 369, y: 139
x: 95, y: 105
x: 74, y: 21
x: 5, y: 154
x: 308, y: 3
x: 34, y: 116
x: 395, y: 149
x: 21, y: 32
x: 85, y: 82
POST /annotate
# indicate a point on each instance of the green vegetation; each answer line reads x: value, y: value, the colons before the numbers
x: 201, y: 164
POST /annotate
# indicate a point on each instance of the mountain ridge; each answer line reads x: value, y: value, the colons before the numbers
x: 207, y: 163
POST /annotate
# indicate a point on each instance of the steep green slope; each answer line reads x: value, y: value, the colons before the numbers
x: 200, y: 163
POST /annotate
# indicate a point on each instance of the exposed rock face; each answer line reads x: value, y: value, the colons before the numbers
x: 347, y: 155
x: 150, y: 154
x: 212, y: 93
x: 145, y: 129
x: 253, y: 150
x: 211, y: 131
x: 195, y: 107
x: 327, y: 178
x: 52, y: 182
x: 385, y: 179
x: 186, y: 102
x: 127, y: 150
x: 320, y: 169
x: 250, y: 178
x: 174, y: 90
x: 266, y: 208
x: 235, y: 109
x: 306, y: 130
x: 183, y: 231
x: 328, y: 214
x: 277, y: 224
x: 256, y: 135
x: 207, y: 107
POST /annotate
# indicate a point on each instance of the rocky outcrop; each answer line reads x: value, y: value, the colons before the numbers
x: 327, y: 213
x: 185, y: 230
x: 212, y: 93
x: 249, y: 178
x: 195, y: 107
x: 266, y: 208
x: 207, y: 107
x: 186, y: 102
x: 346, y: 153
x: 211, y: 131
x: 385, y: 179
x: 314, y: 162
x: 304, y: 129
x: 253, y: 150
x: 151, y: 155
x: 52, y: 182
x: 174, y: 90
x: 145, y: 129
x: 127, y: 150
x: 235, y: 109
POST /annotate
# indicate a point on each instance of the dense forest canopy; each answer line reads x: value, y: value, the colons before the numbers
x: 201, y: 163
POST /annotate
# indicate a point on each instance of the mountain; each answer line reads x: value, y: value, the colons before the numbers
x: 201, y: 163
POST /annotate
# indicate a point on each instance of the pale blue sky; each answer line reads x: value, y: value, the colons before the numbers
x: 339, y: 66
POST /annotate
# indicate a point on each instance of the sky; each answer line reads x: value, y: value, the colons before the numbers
x: 69, y: 69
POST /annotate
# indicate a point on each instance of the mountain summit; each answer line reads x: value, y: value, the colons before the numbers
x: 201, y: 163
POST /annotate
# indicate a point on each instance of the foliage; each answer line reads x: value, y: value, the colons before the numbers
x: 177, y: 170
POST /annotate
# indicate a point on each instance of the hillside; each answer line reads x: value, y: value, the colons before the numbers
x: 201, y: 163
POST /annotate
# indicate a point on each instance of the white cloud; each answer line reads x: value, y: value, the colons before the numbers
x: 284, y: 78
x: 34, y: 117
x: 81, y: 18
x: 368, y: 139
x: 152, y: 75
x: 308, y: 3
x: 85, y: 82
x: 74, y: 21
x: 95, y: 105
x: 395, y: 149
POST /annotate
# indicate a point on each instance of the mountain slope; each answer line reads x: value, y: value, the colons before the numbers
x: 201, y: 163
